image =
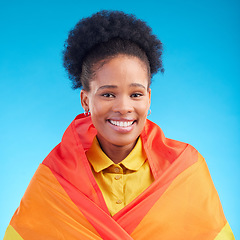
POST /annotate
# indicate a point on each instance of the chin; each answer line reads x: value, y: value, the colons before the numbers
x: 124, y: 142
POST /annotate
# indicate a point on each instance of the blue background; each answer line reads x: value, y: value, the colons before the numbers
x: 196, y: 100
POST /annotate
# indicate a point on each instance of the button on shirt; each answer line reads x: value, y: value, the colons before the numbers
x: 123, y: 182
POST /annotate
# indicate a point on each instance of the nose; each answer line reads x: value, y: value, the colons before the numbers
x: 123, y: 105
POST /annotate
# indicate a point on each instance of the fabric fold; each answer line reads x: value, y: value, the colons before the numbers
x: 63, y: 200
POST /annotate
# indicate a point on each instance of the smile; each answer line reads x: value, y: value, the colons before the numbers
x: 121, y: 123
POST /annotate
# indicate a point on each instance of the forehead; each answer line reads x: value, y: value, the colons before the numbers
x: 120, y: 70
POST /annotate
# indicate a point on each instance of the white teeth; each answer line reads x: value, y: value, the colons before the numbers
x: 121, y: 123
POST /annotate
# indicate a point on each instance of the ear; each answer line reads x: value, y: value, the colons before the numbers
x: 149, y: 96
x: 84, y: 100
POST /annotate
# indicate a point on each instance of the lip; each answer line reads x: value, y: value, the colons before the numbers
x: 121, y: 125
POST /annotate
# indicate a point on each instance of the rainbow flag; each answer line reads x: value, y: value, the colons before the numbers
x: 63, y: 200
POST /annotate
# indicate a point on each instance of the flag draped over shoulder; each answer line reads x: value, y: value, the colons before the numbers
x: 63, y: 200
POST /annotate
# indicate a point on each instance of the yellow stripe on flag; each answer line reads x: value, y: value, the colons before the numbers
x: 11, y: 234
x: 225, y: 234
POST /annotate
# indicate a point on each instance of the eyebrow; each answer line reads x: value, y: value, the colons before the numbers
x: 115, y: 86
x: 106, y: 86
x: 137, y: 85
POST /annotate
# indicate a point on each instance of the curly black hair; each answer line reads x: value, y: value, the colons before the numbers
x: 104, y: 35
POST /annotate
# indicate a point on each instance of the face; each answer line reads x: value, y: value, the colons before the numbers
x: 119, y: 99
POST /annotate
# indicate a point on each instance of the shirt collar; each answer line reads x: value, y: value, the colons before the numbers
x: 136, y: 157
x: 100, y: 161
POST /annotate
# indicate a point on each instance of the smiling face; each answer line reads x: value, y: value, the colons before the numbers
x: 119, y: 99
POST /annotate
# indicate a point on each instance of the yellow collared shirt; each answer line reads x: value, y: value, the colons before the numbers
x: 120, y: 183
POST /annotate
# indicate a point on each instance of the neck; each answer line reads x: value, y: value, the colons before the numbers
x: 117, y: 153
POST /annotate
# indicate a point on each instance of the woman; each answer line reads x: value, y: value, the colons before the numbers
x: 114, y: 175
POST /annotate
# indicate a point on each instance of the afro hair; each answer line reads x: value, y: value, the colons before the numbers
x: 101, y: 29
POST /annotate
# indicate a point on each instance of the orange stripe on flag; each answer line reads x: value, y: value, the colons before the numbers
x: 190, y: 207
x: 47, y: 212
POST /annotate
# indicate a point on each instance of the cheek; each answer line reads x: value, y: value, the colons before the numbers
x: 143, y: 109
x: 98, y: 108
x: 143, y: 112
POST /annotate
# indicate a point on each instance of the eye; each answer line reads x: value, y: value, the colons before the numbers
x: 108, y: 95
x: 136, y: 95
